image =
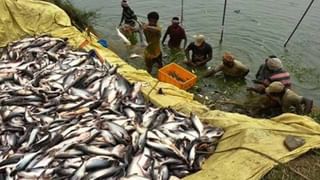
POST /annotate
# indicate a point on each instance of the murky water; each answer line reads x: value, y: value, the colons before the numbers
x: 253, y: 30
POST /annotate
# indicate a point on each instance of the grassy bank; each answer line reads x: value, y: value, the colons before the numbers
x: 305, y: 167
x: 79, y: 17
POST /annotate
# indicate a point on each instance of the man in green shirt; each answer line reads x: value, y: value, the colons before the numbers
x: 288, y: 100
x: 152, y: 32
x: 230, y: 67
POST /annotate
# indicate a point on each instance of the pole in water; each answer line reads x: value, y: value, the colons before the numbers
x: 181, y: 11
x: 223, y: 18
x: 305, y: 12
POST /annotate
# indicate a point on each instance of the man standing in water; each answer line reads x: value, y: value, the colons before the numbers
x: 272, y: 70
x: 176, y: 34
x: 230, y: 67
x: 201, y: 52
x: 152, y: 32
x: 287, y: 99
x: 129, y: 18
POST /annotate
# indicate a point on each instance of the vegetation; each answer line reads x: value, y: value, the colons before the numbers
x: 305, y: 167
x: 79, y: 18
x: 315, y: 114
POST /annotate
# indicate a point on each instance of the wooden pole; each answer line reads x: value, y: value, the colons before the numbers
x: 223, y: 18
x: 181, y: 11
x: 294, y: 30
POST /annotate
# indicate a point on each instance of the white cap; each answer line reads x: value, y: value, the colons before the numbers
x: 124, y: 3
x: 198, y: 39
x: 274, y: 63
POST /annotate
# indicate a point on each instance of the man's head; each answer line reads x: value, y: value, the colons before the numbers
x: 175, y: 21
x: 124, y: 3
x: 228, y: 59
x: 273, y: 63
x: 153, y: 18
x: 275, y: 88
x: 199, y: 39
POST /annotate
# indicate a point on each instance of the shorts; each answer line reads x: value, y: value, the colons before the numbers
x: 151, y: 62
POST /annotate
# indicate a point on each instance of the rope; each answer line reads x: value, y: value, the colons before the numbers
x: 153, y: 87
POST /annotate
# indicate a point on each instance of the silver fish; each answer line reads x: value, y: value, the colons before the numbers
x: 66, y: 115
x: 123, y: 37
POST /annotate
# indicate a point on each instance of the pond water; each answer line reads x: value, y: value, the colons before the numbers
x: 253, y: 30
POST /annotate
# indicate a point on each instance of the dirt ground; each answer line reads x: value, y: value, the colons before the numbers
x: 307, y: 165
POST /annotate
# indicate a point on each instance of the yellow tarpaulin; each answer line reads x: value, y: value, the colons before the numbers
x: 239, y: 155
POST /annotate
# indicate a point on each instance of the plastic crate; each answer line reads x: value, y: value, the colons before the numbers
x: 188, y: 79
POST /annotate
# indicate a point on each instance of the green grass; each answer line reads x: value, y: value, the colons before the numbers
x: 307, y: 166
x: 315, y: 116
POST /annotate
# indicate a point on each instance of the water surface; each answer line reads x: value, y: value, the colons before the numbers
x: 253, y: 30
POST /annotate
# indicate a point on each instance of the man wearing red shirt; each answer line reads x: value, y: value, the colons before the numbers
x: 176, y: 34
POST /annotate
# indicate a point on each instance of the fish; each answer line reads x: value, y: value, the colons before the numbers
x: 66, y: 115
x: 123, y: 37
x: 22, y: 164
x: 99, y: 162
x: 102, y: 174
x: 197, y: 124
x: 80, y: 172
x: 143, y: 40
x: 134, y: 55
x: 163, y: 173
x: 81, y: 93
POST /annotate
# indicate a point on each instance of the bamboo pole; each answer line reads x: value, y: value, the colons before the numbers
x: 181, y: 11
x: 294, y: 30
x: 223, y: 18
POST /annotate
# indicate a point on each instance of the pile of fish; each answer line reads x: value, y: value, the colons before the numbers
x: 66, y: 115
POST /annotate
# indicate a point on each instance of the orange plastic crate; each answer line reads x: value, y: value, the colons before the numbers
x: 188, y: 78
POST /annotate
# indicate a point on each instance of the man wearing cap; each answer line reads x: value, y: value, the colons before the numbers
x: 272, y: 70
x: 129, y: 18
x: 201, y: 52
x: 289, y: 100
x: 230, y: 67
x: 176, y: 34
x: 152, y: 32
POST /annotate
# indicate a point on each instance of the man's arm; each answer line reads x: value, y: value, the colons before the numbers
x: 299, y: 109
x: 122, y: 18
x: 259, y: 74
x: 185, y: 39
x: 285, y: 107
x: 187, y: 53
x: 297, y: 103
x: 165, y: 36
x: 185, y: 42
x: 156, y: 29
x: 214, y: 70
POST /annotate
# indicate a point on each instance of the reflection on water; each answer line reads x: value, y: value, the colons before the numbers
x: 253, y: 31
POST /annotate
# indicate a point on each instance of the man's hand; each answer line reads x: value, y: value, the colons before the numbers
x: 190, y: 63
x: 144, y: 25
x: 258, y: 88
x: 200, y: 63
x: 209, y: 73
